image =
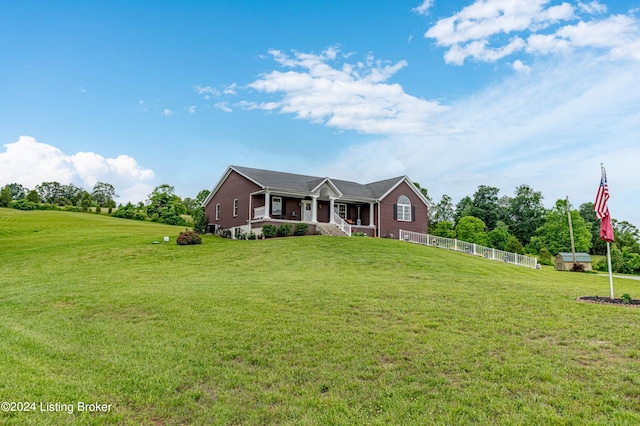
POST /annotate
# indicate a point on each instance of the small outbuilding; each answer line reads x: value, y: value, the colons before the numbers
x: 564, y: 261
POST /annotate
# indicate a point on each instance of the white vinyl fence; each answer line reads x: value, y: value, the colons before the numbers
x: 471, y: 248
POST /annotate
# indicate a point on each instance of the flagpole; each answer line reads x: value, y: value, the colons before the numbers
x: 602, y: 171
x: 609, y: 264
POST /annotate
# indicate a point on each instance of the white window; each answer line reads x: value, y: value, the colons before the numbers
x: 341, y: 209
x: 276, y: 205
x: 235, y: 207
x: 404, y: 208
x: 218, y: 211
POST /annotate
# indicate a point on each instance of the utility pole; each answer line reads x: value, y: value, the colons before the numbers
x: 573, y: 245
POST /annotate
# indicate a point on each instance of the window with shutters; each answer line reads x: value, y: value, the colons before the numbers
x: 404, y: 209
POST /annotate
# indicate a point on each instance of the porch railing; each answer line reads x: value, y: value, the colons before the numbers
x: 346, y: 228
x: 258, y: 212
x: 471, y: 248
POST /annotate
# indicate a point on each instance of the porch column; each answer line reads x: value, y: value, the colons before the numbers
x: 314, y: 208
x: 332, y: 205
x: 371, y: 214
x: 267, y: 204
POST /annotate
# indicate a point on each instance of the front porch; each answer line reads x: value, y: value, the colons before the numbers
x: 348, y: 215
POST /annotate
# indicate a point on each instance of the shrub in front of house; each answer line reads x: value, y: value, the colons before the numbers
x: 284, y: 230
x: 188, y: 238
x: 224, y: 233
x: 269, y: 230
x: 301, y: 229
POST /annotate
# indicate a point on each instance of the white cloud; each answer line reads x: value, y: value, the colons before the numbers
x: 349, y: 96
x: 423, y: 8
x: 478, y: 30
x: 594, y: 7
x: 224, y: 106
x: 30, y: 163
x: 519, y: 66
x: 167, y: 112
x: 192, y: 109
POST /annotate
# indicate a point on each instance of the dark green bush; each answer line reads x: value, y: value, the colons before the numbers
x: 301, y: 229
x: 24, y: 204
x: 129, y: 212
x: 188, y: 238
x: 285, y: 230
x: 269, y: 230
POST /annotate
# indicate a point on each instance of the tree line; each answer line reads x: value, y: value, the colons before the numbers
x: 162, y: 205
x: 518, y: 223
x: 521, y: 224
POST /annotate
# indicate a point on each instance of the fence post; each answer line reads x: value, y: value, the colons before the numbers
x: 455, y: 244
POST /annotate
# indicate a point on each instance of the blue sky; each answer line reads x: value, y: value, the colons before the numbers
x: 454, y: 94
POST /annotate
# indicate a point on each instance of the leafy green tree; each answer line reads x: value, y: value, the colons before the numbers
x: 202, y: 195
x: 70, y: 193
x: 103, y: 194
x: 33, y: 196
x: 85, y: 201
x: 49, y: 191
x: 498, y: 237
x: 444, y: 210
x: 472, y: 230
x: 129, y: 211
x: 525, y: 213
x: 598, y: 246
x: 514, y: 246
x: 463, y: 208
x: 626, y: 236
x: 554, y: 233
x: 5, y: 196
x: 165, y: 206
x: 199, y: 220
x: 18, y: 191
x: 486, y: 205
x: 445, y: 229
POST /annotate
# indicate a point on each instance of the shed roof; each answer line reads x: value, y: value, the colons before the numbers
x: 580, y: 257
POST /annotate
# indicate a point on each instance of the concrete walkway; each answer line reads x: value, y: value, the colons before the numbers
x: 629, y: 277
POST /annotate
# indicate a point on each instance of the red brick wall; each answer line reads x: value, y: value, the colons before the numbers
x: 234, y: 186
x: 389, y: 226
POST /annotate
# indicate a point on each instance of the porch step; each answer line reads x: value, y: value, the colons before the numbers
x: 330, y: 229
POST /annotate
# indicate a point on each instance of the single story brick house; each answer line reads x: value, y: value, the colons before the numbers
x: 245, y: 198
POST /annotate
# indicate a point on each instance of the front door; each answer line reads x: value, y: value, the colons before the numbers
x: 306, y: 211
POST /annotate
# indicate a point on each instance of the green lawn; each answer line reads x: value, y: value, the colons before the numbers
x: 310, y: 330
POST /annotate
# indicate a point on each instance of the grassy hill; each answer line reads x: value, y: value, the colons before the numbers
x: 312, y: 330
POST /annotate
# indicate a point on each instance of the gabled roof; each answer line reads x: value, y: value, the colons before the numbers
x: 268, y: 179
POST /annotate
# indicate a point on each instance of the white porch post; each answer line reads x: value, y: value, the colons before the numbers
x: 267, y: 204
x: 331, y: 209
x: 314, y: 208
x: 371, y: 214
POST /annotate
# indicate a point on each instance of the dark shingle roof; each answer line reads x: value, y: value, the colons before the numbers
x: 296, y: 182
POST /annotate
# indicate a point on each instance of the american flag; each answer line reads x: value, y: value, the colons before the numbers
x: 602, y: 211
x: 600, y: 206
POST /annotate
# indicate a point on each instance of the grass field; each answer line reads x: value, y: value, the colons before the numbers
x: 301, y: 331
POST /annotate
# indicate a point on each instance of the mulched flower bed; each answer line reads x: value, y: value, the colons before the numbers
x: 608, y: 301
